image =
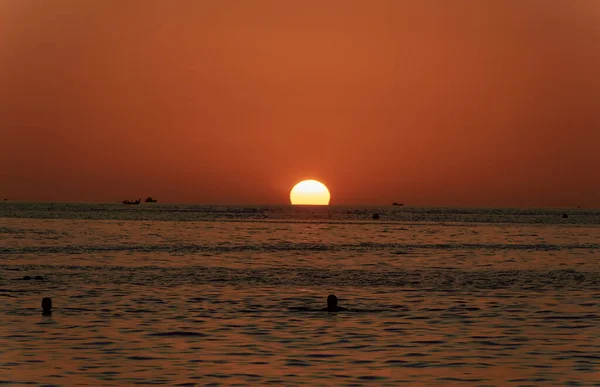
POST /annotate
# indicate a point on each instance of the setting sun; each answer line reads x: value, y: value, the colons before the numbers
x: 310, y: 192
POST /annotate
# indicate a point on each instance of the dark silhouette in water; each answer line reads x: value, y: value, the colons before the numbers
x: 565, y: 216
x: 375, y: 216
x: 37, y: 277
x: 332, y: 304
x: 46, y: 306
x: 397, y: 204
x: 150, y: 200
x: 132, y: 201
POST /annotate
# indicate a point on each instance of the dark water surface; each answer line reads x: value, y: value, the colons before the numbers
x: 190, y: 295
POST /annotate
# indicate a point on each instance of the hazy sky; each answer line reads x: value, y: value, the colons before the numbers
x: 492, y: 102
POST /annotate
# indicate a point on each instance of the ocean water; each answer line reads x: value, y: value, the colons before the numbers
x: 205, y: 295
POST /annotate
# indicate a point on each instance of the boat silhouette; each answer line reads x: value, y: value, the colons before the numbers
x: 150, y: 200
x: 397, y: 204
x: 132, y: 201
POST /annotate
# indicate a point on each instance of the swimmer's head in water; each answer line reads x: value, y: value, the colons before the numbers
x: 332, y: 301
x: 47, y: 305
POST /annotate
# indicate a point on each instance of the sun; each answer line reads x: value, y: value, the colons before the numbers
x: 310, y: 192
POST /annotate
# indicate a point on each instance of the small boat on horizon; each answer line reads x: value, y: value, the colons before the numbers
x: 138, y: 201
x: 150, y: 200
x: 397, y: 204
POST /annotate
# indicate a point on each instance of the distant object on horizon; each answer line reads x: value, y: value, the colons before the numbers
x: 397, y: 204
x: 150, y: 200
x: 138, y: 201
x: 565, y: 216
x: 5, y: 199
x: 376, y: 216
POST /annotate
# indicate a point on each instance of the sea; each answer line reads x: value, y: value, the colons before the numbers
x: 190, y: 295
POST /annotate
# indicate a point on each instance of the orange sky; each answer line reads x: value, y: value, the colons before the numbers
x: 493, y: 103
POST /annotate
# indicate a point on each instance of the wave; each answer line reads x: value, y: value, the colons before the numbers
x: 426, y: 279
x: 359, y: 247
x: 318, y: 214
